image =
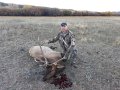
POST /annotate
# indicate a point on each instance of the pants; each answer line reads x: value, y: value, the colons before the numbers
x: 72, y: 55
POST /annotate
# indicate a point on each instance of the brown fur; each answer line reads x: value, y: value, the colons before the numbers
x: 50, y: 55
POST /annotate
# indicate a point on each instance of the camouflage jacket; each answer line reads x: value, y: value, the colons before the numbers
x: 66, y: 40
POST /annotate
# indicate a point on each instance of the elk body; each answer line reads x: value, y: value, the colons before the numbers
x: 40, y: 53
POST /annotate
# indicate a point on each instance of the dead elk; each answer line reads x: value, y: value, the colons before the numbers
x: 53, y: 60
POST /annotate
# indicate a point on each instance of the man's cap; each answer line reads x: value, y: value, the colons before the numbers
x: 63, y: 24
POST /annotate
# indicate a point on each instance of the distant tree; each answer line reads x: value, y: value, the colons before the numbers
x: 20, y: 6
x: 67, y: 13
x: 27, y: 6
x: 76, y: 13
x: 3, y: 4
x: 28, y: 10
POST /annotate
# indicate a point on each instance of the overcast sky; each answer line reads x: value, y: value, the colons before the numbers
x: 91, y: 5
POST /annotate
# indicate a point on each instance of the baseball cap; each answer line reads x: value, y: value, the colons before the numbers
x: 63, y: 24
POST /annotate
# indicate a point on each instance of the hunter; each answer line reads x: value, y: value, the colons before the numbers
x: 67, y: 41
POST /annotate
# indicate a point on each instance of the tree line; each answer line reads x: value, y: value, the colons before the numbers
x: 44, y: 11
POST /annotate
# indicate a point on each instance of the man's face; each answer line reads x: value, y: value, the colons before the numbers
x: 64, y: 28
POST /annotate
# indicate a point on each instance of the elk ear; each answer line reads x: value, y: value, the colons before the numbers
x: 60, y: 66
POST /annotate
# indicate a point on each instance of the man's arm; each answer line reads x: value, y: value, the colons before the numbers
x: 56, y: 38
x: 72, y: 40
x: 68, y: 52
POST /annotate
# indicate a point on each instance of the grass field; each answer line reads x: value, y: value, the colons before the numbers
x: 98, y: 44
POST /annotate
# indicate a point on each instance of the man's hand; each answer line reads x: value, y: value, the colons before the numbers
x: 46, y: 41
x: 64, y: 57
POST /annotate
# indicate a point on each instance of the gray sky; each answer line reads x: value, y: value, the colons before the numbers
x: 91, y: 5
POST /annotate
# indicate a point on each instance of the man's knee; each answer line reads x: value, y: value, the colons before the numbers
x: 74, y: 53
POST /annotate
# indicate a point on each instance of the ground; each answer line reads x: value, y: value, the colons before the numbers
x: 98, y: 44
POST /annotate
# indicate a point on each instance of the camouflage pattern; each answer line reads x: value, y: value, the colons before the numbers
x: 67, y: 42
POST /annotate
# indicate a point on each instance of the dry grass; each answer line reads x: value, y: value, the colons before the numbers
x: 98, y: 43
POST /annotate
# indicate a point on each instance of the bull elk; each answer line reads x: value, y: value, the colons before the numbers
x: 50, y: 59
